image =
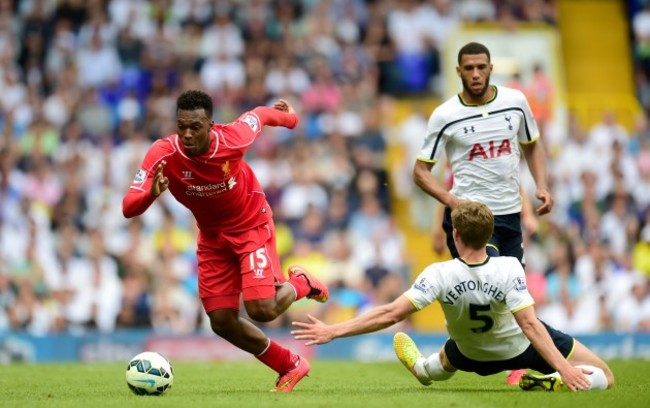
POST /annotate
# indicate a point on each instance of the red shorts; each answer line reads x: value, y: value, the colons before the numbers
x: 234, y: 263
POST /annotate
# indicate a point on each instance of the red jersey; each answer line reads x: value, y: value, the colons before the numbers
x: 219, y: 187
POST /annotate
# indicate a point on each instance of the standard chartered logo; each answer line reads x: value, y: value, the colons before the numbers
x: 211, y: 189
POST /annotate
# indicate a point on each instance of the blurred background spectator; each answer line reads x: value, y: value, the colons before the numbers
x: 87, y: 86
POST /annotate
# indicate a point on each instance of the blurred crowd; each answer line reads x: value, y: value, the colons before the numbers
x: 88, y: 85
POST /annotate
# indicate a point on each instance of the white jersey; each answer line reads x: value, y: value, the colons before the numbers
x: 478, y: 301
x: 481, y: 143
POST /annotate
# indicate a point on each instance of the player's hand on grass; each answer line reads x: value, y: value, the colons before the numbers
x: 160, y: 182
x: 574, y: 378
x: 546, y: 198
x: 284, y: 106
x: 316, y: 332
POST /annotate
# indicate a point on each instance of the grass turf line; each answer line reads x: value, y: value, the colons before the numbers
x: 330, y: 384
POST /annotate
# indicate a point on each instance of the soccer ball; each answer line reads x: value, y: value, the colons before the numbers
x: 149, y: 373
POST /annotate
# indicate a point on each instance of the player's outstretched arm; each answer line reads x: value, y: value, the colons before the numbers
x: 281, y: 114
x: 572, y: 377
x: 377, y: 318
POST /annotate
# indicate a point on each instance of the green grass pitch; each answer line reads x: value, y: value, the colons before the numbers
x: 330, y: 384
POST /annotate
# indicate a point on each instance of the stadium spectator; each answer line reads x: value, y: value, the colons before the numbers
x: 562, y: 289
x: 602, y: 137
x: 96, y: 137
x: 7, y: 297
x: 377, y: 42
x: 641, y: 252
x: 420, y: 204
x: 641, y: 31
x: 568, y: 166
x: 98, y: 62
x: 477, y: 10
x: 99, y: 288
x: 28, y: 313
x: 641, y: 191
x: 303, y: 193
x: 416, y: 53
x: 286, y: 77
x: 135, y: 308
x: 632, y: 311
x: 541, y: 93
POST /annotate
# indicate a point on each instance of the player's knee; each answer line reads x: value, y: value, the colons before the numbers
x: 222, y: 324
x: 263, y: 316
x: 261, y: 311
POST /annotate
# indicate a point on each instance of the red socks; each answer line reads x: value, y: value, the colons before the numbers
x: 278, y: 358
x: 300, y: 285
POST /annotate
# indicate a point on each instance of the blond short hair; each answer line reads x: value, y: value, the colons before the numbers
x: 474, y: 223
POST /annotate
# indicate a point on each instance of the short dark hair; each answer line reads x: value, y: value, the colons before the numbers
x: 193, y: 100
x: 473, y: 48
x: 474, y: 223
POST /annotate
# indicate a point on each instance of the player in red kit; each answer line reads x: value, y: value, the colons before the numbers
x: 203, y: 167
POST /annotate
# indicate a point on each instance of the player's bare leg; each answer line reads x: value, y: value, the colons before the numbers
x: 291, y: 368
x: 265, y: 310
x: 227, y: 324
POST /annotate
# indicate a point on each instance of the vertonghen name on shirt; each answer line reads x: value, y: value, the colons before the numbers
x: 473, y: 285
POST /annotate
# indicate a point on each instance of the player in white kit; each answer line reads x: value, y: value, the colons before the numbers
x: 483, y: 131
x: 490, y: 319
